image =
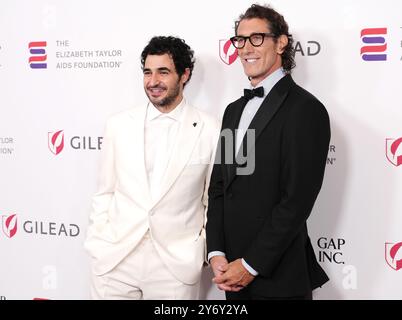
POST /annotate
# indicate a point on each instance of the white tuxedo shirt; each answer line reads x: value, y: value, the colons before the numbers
x: 160, y: 135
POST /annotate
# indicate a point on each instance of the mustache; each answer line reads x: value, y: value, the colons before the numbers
x: 157, y: 87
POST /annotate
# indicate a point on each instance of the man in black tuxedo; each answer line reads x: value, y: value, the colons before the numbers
x: 257, y: 238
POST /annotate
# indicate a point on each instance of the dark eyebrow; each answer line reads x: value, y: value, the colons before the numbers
x: 164, y: 69
x: 159, y: 69
x: 251, y: 34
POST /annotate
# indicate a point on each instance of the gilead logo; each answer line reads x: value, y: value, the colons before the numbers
x: 393, y: 255
x: 227, y: 52
x: 9, y: 225
x: 393, y: 151
x: 51, y: 228
x: 43, y: 228
x: 56, y: 142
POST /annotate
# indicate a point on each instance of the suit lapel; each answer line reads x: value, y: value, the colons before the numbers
x: 233, y: 125
x: 264, y: 115
x: 187, y: 136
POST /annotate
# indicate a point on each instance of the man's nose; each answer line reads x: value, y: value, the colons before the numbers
x: 154, y: 79
x: 248, y: 47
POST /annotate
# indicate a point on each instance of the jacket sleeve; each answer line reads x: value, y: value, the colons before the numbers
x: 214, y: 142
x: 215, y: 136
x: 214, y: 226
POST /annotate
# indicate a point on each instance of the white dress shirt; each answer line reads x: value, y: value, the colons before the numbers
x: 247, y: 116
x: 160, y: 135
x: 254, y: 104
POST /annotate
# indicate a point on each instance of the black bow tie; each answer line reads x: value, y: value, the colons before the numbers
x: 251, y: 93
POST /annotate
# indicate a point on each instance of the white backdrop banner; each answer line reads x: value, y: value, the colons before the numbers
x: 67, y: 65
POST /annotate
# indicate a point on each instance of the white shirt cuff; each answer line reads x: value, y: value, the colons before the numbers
x: 215, y: 253
x: 249, y: 269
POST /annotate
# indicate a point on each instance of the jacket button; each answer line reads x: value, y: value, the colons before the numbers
x: 230, y: 195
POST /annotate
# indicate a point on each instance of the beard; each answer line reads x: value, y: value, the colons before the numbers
x: 171, y: 96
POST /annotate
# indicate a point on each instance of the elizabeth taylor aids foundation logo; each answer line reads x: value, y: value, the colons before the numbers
x: 38, y: 56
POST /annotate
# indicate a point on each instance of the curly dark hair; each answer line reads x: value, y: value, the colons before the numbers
x: 181, y: 53
x: 277, y: 25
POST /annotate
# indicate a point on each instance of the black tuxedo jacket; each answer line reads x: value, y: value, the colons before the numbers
x: 261, y: 217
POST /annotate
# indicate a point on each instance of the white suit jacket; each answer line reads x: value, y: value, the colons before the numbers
x: 123, y: 210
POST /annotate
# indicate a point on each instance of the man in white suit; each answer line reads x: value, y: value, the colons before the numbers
x: 146, y: 235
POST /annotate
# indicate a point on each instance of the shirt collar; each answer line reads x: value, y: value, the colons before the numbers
x: 269, y: 82
x: 175, y: 114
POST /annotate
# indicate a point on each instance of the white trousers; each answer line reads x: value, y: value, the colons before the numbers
x: 142, y: 275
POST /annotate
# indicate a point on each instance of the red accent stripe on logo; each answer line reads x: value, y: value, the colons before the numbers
x: 55, y: 136
x: 369, y: 49
x: 37, y: 44
x: 394, y: 250
x: 372, y: 31
x: 9, y: 220
x: 226, y: 47
x: 395, y: 145
x: 37, y: 58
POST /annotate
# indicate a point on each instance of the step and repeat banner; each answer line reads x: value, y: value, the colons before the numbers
x: 66, y: 66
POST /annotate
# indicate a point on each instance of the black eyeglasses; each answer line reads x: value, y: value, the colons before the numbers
x: 256, y: 39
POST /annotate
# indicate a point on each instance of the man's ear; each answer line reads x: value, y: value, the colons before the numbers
x: 185, y: 76
x: 282, y: 43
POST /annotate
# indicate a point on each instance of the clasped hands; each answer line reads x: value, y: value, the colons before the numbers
x: 230, y: 276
